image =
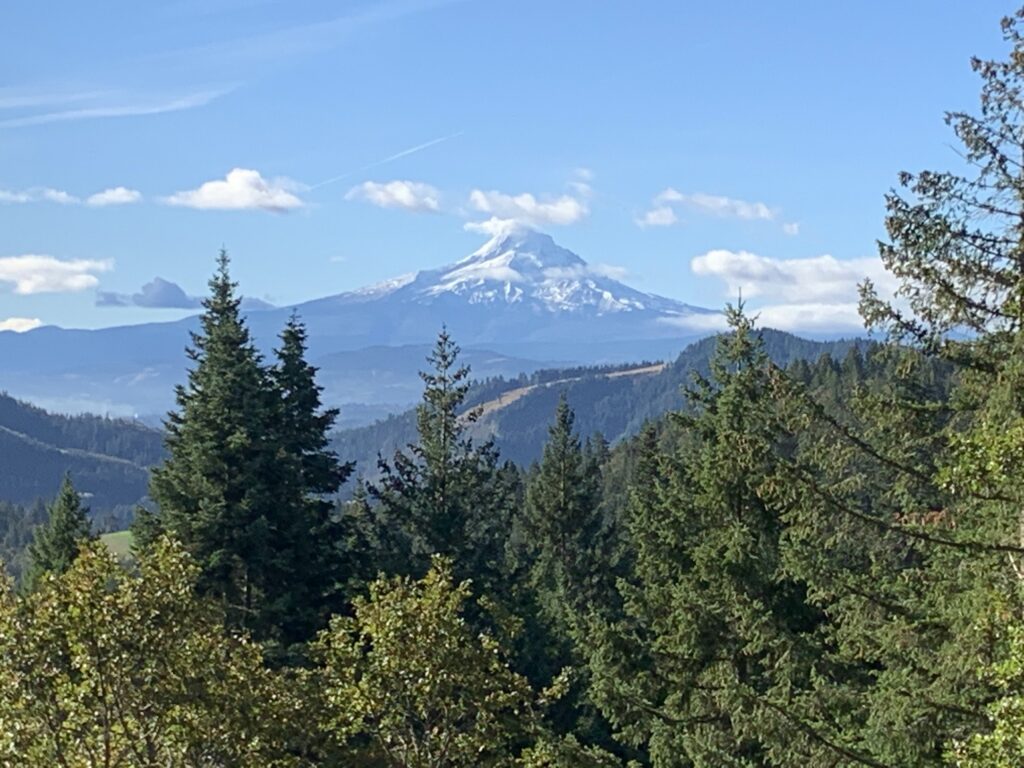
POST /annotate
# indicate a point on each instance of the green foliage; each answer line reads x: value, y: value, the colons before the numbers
x: 1002, y: 746
x: 17, y: 526
x: 107, y: 457
x: 247, y: 482
x: 445, y: 494
x: 216, y: 491
x: 408, y: 670
x: 105, y: 668
x: 717, y: 651
x: 562, y: 524
x: 55, y: 544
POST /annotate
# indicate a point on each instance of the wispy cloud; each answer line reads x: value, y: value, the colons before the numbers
x: 663, y: 211
x: 242, y: 189
x: 718, y: 205
x: 31, y: 273
x: 120, y: 109
x: 413, y: 196
x: 112, y: 196
x: 389, y: 159
x: 243, y: 55
x: 20, y: 324
x: 37, y: 194
x: 662, y: 216
x: 20, y: 98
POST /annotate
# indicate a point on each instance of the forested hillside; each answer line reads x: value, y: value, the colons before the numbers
x: 109, y: 458
x: 613, y: 402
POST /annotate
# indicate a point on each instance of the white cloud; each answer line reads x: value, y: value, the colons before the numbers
x: 581, y: 183
x: 241, y: 189
x: 45, y: 274
x: 493, y: 227
x: 663, y: 211
x: 662, y: 216
x: 812, y: 294
x: 820, y: 278
x: 810, y: 317
x: 719, y: 205
x: 20, y: 324
x: 9, y: 196
x: 527, y: 209
x: 407, y: 195
x: 37, y: 194
x: 841, y: 317
x: 114, y: 196
x: 58, y: 196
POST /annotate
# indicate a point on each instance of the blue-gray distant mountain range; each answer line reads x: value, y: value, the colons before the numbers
x: 519, y: 303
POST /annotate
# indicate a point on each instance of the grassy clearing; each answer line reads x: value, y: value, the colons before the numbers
x: 119, y: 543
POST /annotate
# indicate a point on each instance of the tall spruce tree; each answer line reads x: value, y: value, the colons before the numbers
x: 308, y: 547
x: 220, y: 489
x: 563, y: 523
x: 717, y: 657
x: 445, y: 494
x: 56, y: 543
x: 954, y: 242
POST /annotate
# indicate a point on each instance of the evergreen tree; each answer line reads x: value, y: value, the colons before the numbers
x: 954, y: 242
x: 717, y: 657
x: 563, y: 524
x: 219, y: 490
x: 445, y: 494
x: 56, y: 543
x: 311, y: 571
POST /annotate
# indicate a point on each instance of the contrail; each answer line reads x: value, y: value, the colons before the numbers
x: 389, y: 159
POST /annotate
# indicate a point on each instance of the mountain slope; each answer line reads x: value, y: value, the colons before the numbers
x: 107, y: 458
x: 614, y: 401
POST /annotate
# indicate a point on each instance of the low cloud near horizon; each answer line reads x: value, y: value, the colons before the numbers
x: 816, y: 294
x: 159, y: 293
x: 36, y: 273
x: 20, y: 324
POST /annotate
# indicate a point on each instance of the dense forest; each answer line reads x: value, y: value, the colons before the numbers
x: 613, y: 401
x: 805, y: 563
x: 109, y: 458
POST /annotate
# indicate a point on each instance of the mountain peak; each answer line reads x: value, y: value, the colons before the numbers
x: 523, y: 250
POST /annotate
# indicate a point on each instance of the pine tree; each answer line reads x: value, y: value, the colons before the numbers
x: 219, y: 490
x: 56, y: 543
x: 445, y: 494
x: 562, y: 521
x: 311, y: 572
x: 954, y: 243
x: 716, y: 658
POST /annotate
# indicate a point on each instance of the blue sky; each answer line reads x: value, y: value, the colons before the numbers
x: 701, y: 146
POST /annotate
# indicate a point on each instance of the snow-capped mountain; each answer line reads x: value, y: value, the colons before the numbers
x: 520, y: 266
x: 523, y: 298
x: 519, y: 285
